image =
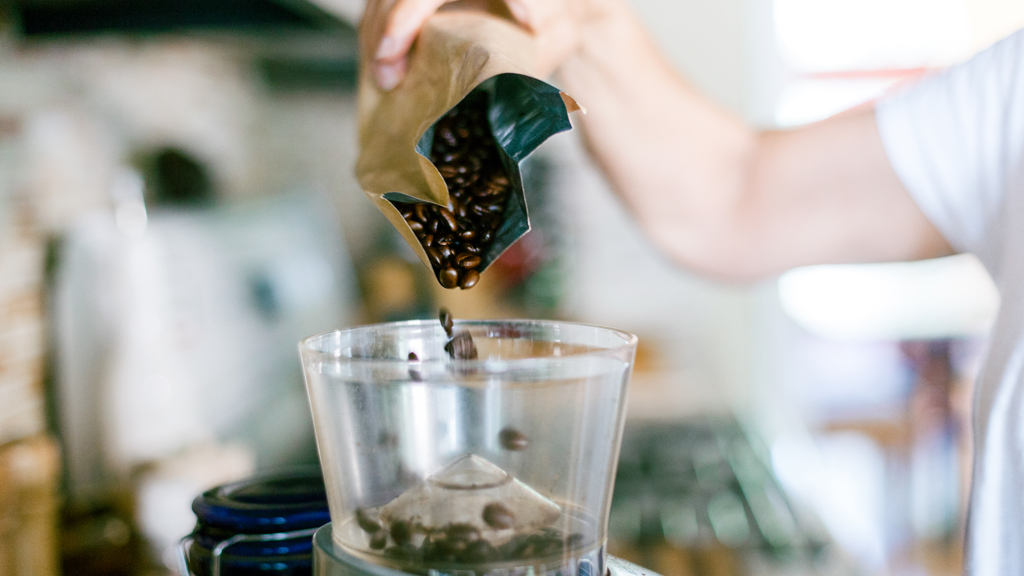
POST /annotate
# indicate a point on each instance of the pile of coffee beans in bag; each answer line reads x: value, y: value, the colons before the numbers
x: 456, y: 236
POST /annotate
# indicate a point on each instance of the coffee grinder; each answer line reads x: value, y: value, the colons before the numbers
x: 489, y: 450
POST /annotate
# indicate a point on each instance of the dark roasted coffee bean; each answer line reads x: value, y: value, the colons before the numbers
x: 379, y: 540
x: 473, y: 248
x: 467, y: 260
x: 427, y: 240
x: 420, y: 211
x: 468, y: 279
x: 467, y: 234
x: 447, y: 171
x: 478, y: 551
x: 446, y: 252
x: 400, y: 532
x: 461, y: 347
x: 437, y: 550
x: 368, y: 520
x: 447, y: 322
x: 416, y: 226
x: 446, y: 134
x: 431, y: 226
x: 498, y: 516
x: 444, y: 239
x: 512, y: 439
x: 449, y: 219
x: 449, y: 277
x: 434, y: 256
x: 487, y: 236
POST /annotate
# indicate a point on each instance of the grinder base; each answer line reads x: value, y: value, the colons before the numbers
x: 330, y: 560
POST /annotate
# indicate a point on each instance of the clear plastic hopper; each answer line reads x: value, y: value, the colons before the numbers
x: 499, y: 465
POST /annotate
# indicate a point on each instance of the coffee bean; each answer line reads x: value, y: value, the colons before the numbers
x: 449, y: 277
x: 512, y: 439
x: 434, y: 256
x: 447, y: 322
x: 467, y: 260
x: 498, y: 516
x: 400, y: 532
x: 468, y: 279
x: 416, y: 226
x: 379, y: 540
x: 420, y: 211
x: 368, y: 520
x: 468, y: 234
x: 449, y: 219
x: 478, y: 551
x: 461, y: 347
x: 446, y: 251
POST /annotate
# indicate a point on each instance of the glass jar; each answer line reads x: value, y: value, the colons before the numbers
x: 263, y: 525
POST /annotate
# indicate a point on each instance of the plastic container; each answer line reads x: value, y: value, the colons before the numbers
x: 502, y: 464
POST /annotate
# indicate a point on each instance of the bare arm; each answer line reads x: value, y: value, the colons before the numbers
x: 715, y: 195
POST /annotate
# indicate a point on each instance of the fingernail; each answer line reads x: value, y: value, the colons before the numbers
x: 388, y: 76
x: 388, y: 48
x: 518, y: 12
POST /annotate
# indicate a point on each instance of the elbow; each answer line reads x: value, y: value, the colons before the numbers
x: 723, y: 249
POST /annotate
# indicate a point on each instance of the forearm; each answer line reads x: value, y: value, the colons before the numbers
x: 723, y: 199
x: 679, y: 161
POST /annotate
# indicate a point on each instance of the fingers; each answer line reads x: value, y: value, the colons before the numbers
x: 400, y: 31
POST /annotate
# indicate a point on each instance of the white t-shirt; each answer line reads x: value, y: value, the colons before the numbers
x: 956, y: 141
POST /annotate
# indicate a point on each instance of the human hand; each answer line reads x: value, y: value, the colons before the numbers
x: 389, y: 28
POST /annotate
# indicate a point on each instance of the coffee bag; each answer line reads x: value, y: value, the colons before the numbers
x: 440, y: 155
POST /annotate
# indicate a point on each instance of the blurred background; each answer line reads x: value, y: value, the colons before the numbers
x: 178, y: 208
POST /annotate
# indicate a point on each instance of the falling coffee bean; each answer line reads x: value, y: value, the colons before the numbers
x: 498, y: 516
x: 512, y: 439
x: 444, y: 316
x: 368, y: 520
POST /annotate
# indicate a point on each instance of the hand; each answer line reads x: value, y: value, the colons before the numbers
x: 389, y: 28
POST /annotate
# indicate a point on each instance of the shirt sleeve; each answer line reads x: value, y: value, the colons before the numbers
x: 955, y: 139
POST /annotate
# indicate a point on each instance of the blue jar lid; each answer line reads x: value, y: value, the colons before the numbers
x: 266, y: 504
